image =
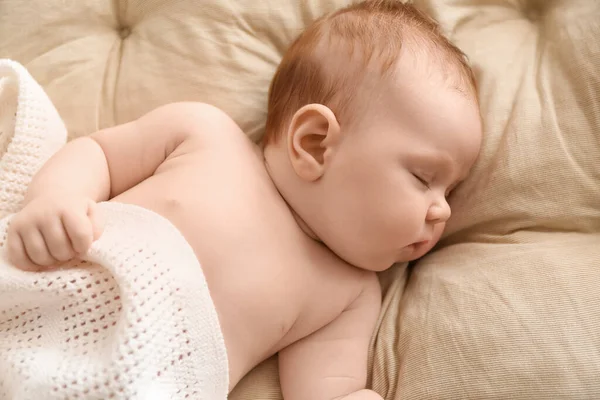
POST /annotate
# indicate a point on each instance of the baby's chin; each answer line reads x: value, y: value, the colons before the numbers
x: 409, y: 253
x: 380, y: 261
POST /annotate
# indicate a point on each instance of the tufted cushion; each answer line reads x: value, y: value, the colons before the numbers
x: 508, y: 305
x: 105, y: 62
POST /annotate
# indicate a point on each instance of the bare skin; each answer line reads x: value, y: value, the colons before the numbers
x: 279, y: 256
x: 241, y: 245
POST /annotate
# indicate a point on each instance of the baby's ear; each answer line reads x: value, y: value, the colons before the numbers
x: 313, y: 135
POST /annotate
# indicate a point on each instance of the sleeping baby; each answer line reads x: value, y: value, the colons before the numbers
x: 372, y: 121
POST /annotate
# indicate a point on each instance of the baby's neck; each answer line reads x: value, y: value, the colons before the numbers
x: 301, y: 224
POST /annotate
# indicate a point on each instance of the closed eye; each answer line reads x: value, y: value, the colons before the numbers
x: 423, y: 181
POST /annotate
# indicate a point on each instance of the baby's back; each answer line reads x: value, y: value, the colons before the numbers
x: 271, y: 283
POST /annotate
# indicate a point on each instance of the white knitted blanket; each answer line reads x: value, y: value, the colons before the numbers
x: 134, y: 320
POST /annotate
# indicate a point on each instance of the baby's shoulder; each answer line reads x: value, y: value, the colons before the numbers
x: 205, y: 125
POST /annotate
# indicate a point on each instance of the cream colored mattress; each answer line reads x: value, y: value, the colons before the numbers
x: 509, y: 305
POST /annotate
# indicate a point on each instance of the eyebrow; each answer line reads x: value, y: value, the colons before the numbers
x: 441, y: 159
x: 445, y: 162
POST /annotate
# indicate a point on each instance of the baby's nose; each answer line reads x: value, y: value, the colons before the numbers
x: 439, y: 211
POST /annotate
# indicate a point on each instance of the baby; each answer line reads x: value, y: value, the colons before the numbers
x: 372, y: 121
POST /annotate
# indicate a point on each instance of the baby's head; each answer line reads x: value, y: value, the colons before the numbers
x: 373, y: 119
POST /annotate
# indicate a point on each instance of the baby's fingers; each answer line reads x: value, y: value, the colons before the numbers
x: 57, y: 240
x: 79, y: 229
x: 17, y: 254
x: 35, y: 247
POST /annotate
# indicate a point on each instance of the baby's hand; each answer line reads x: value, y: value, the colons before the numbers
x: 52, y: 229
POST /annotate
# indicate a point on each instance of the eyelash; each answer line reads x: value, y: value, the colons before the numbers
x: 423, y: 181
x: 426, y: 184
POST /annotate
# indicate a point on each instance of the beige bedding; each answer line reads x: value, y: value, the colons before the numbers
x: 509, y: 305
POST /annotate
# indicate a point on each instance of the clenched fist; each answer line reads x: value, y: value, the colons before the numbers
x: 52, y: 229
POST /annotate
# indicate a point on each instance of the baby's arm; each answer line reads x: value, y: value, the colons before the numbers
x: 332, y: 362
x: 110, y: 161
x: 58, y: 220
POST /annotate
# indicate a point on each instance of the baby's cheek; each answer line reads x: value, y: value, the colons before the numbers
x: 437, y: 233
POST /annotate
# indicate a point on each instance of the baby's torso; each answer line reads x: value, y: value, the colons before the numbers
x: 271, y: 284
